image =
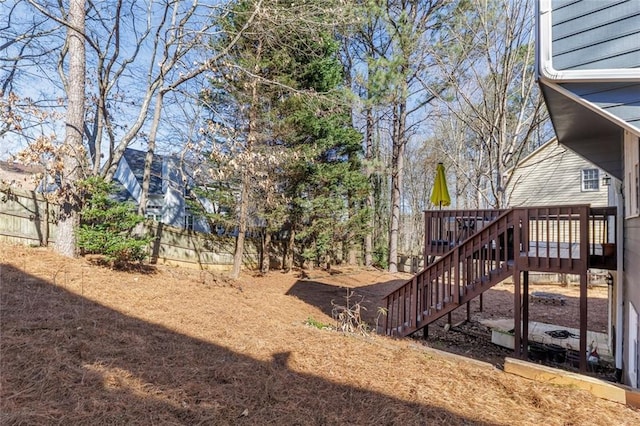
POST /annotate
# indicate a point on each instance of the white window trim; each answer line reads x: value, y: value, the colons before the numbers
x: 583, y: 180
x: 188, y: 222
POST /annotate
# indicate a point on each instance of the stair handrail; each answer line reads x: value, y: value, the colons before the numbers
x: 452, y: 256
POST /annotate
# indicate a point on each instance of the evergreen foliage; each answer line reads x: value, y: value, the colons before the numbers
x: 294, y: 140
x: 106, y: 225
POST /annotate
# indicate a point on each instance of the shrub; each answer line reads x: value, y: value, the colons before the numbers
x: 106, y: 225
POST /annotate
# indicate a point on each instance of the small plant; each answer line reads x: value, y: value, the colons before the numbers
x: 317, y: 324
x: 380, y: 313
x: 348, y: 316
x: 106, y: 225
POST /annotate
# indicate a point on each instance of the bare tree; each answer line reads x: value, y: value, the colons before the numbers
x: 73, y: 152
x: 411, y: 26
x: 137, y: 52
x: 493, y: 94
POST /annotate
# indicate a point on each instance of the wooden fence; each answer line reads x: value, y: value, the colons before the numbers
x: 28, y: 218
x: 179, y: 247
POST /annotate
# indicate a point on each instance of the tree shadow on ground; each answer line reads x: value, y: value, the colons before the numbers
x: 496, y: 304
x: 69, y: 360
x: 324, y: 296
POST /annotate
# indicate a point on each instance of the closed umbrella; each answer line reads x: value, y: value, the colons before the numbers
x: 440, y: 194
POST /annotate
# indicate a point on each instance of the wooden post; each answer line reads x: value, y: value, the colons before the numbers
x: 525, y: 312
x: 583, y: 321
x: 584, y: 261
x: 386, y: 317
x: 517, y: 305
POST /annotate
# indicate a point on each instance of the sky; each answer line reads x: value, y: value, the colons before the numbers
x: 37, y: 77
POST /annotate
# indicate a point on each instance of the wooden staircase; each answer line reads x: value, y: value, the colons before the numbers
x: 479, y: 249
x: 467, y: 269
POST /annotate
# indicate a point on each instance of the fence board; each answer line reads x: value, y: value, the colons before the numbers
x: 28, y: 218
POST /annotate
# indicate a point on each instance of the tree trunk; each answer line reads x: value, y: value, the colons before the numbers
x: 265, y: 261
x: 368, y: 239
x: 288, y: 258
x: 73, y: 150
x: 238, y: 255
x: 148, y: 160
x: 397, y: 166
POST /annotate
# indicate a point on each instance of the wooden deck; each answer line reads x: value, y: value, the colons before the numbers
x: 473, y: 250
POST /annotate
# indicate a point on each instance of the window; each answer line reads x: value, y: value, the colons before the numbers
x: 590, y: 179
x: 154, y: 212
x: 188, y: 222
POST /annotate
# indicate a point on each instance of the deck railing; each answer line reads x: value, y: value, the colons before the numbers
x: 603, y: 226
x: 445, y: 229
x: 459, y: 275
x: 479, y: 248
x: 567, y: 239
x: 553, y: 239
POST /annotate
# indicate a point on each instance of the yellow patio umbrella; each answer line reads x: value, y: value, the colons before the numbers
x: 440, y: 194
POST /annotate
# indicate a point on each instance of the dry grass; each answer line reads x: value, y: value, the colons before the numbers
x: 84, y: 345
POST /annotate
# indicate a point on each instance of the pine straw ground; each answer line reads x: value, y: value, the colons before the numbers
x: 82, y: 344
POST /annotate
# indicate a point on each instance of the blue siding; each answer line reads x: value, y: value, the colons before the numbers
x: 596, y: 34
x: 622, y: 100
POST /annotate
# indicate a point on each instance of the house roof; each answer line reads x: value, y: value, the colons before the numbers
x: 135, y: 159
x: 120, y: 193
x: 584, y: 128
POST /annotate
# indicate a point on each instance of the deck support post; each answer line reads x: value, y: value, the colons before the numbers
x: 517, y: 306
x: 583, y: 321
x: 525, y: 313
x: 481, y: 301
x: 584, y: 257
x: 469, y: 311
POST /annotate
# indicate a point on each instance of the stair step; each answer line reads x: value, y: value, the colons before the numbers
x: 436, y: 284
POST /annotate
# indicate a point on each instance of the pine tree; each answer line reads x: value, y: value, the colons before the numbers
x: 280, y: 131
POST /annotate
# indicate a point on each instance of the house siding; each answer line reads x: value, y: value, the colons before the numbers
x: 631, y: 274
x: 588, y: 66
x: 621, y: 100
x: 595, y: 34
x: 552, y: 176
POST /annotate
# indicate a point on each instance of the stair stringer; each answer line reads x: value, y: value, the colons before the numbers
x: 477, y: 264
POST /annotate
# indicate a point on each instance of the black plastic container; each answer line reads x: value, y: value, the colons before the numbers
x: 556, y: 353
x: 537, y: 352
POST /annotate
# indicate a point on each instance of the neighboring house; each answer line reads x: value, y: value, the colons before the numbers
x: 554, y: 175
x: 18, y: 175
x: 168, y: 188
x: 588, y: 64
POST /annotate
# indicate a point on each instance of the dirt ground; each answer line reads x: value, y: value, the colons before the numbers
x: 82, y: 344
x: 470, y: 339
